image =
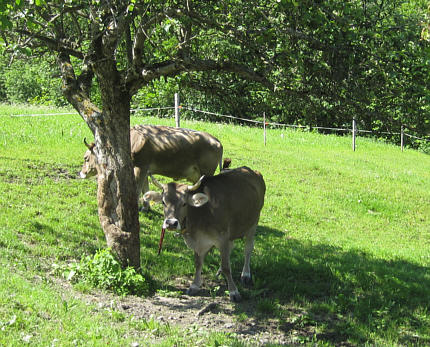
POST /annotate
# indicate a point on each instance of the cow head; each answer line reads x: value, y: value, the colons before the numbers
x: 89, y: 166
x: 176, y: 198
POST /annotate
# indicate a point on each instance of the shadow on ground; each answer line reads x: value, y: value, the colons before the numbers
x: 328, y: 293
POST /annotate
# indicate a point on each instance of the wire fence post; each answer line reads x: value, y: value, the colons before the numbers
x: 354, y: 130
x: 177, y: 119
x: 402, y: 143
x: 264, y: 127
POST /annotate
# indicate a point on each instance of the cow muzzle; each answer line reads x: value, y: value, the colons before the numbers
x: 82, y: 175
x: 171, y: 224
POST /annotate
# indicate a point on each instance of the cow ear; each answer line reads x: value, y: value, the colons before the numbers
x: 152, y: 196
x: 198, y: 199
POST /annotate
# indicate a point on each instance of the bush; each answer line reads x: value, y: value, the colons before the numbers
x: 423, y: 146
x: 104, y: 271
x: 31, y: 82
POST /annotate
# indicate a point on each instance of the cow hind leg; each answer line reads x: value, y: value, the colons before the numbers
x: 245, y: 277
x: 193, y: 174
x: 226, y: 270
x: 144, y: 189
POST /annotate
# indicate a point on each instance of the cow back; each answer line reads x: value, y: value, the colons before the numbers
x: 236, y: 198
x: 172, y: 151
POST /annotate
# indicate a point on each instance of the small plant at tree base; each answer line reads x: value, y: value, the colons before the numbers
x: 267, y: 306
x: 104, y: 271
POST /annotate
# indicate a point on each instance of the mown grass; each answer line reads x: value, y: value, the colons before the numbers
x: 342, y: 251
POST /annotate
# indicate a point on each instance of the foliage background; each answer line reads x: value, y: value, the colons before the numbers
x: 330, y: 61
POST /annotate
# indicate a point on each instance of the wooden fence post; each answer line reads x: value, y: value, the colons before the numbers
x: 402, y: 133
x: 264, y: 127
x: 177, y: 117
x: 353, y: 134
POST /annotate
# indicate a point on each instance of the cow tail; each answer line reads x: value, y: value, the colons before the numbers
x: 226, y: 164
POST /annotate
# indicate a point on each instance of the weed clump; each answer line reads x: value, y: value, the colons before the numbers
x: 104, y: 271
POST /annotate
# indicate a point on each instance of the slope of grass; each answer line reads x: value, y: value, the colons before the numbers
x: 343, y: 245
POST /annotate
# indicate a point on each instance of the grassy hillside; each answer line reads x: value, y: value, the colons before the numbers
x: 342, y: 252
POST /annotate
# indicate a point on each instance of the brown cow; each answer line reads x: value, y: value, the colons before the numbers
x: 173, y: 152
x: 214, y: 212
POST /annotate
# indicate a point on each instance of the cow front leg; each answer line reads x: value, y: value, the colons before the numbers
x: 142, y: 186
x: 226, y: 270
x: 197, y: 282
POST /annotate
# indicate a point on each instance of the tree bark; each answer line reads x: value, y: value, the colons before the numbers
x: 116, y: 194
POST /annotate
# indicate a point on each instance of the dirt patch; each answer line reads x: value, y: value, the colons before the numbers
x: 55, y: 173
x: 203, y: 311
x: 212, y: 314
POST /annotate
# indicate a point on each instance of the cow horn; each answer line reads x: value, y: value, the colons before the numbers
x: 156, y: 183
x: 86, y: 143
x: 196, y: 185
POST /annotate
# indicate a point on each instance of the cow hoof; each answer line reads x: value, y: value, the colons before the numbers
x: 246, y: 280
x: 145, y: 208
x: 235, y: 297
x: 192, y: 291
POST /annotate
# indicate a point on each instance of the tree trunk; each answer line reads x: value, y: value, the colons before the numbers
x: 116, y: 195
x: 117, y: 208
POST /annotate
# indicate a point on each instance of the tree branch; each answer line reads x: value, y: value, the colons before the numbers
x: 54, y: 44
x: 239, y: 69
x: 75, y: 90
x: 175, y: 67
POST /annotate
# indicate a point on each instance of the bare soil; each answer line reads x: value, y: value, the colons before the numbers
x: 205, y: 311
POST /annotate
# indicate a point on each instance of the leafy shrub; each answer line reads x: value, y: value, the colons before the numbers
x: 21, y: 83
x: 423, y: 146
x: 104, y: 271
x: 31, y: 82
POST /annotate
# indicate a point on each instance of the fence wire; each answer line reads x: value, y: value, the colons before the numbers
x: 300, y: 126
x: 42, y: 114
x: 188, y: 108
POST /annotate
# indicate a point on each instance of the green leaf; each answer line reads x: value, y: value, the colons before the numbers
x: 5, y: 23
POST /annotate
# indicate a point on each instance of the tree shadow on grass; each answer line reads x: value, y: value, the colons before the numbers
x: 72, y: 239
x: 41, y: 169
x: 322, y: 291
x: 344, y: 292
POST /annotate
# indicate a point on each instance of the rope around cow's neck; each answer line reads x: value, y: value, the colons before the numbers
x: 163, y: 231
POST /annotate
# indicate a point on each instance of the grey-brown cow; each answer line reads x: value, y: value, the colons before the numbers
x: 214, y: 212
x: 173, y: 152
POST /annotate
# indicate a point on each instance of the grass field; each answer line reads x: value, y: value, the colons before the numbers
x: 342, y: 251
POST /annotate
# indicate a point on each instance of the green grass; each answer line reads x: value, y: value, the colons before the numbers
x: 343, y: 245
